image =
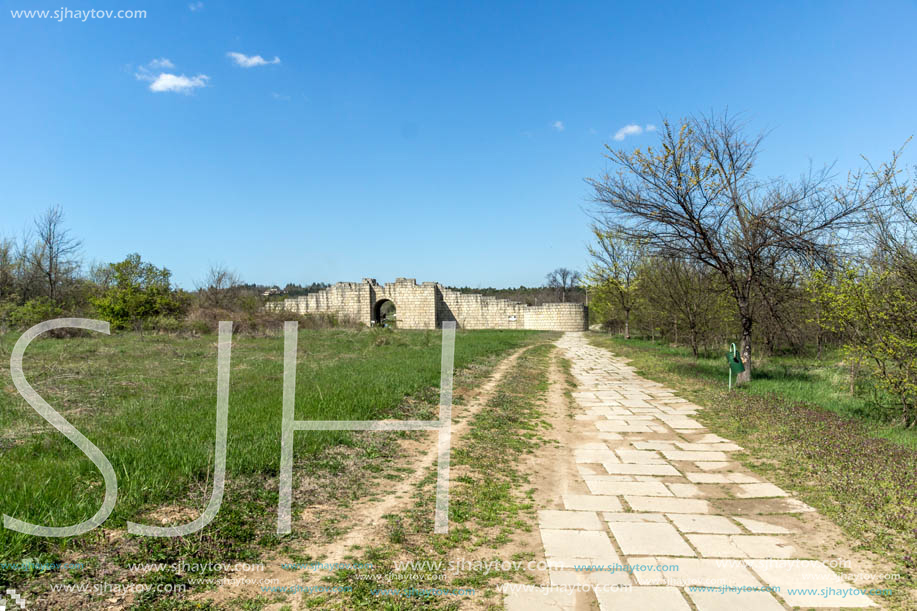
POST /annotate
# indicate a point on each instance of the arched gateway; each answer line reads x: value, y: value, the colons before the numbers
x: 384, y: 312
x: 427, y: 305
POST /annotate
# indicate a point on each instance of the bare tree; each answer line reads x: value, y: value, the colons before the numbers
x: 563, y: 280
x: 688, y: 291
x: 7, y: 268
x: 894, y: 230
x: 55, y: 256
x: 220, y: 288
x: 696, y: 198
x: 615, y: 267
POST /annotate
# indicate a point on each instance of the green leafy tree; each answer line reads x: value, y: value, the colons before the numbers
x: 613, y: 275
x: 876, y: 313
x: 133, y: 291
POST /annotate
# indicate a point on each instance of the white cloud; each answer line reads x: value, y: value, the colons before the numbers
x: 628, y: 130
x: 160, y: 63
x: 558, y: 126
x: 280, y: 97
x: 250, y: 61
x: 165, y: 81
x: 650, y: 127
x: 178, y: 84
x: 196, y: 6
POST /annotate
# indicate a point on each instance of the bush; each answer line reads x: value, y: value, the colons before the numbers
x: 33, y: 312
x: 134, y: 292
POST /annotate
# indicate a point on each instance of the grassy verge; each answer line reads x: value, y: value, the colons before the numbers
x: 825, y: 382
x: 490, y: 501
x: 149, y: 404
x: 865, y: 484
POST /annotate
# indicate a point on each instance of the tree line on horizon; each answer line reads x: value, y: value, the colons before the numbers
x: 43, y: 276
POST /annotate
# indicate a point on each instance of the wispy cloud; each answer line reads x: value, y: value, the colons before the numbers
x: 195, y: 6
x: 280, y: 97
x: 161, y: 63
x: 558, y: 126
x: 165, y: 81
x: 250, y: 61
x: 632, y: 129
x: 628, y: 130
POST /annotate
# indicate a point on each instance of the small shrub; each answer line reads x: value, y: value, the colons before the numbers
x: 33, y: 312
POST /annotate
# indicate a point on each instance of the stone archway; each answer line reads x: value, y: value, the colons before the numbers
x: 384, y: 312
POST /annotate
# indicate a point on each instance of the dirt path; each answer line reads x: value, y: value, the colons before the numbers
x: 656, y: 506
x: 364, y: 522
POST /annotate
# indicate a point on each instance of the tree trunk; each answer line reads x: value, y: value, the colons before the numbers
x: 745, y: 376
x: 627, y: 323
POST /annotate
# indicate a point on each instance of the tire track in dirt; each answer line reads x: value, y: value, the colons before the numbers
x: 366, y: 519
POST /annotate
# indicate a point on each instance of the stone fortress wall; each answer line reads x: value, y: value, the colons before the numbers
x: 427, y: 305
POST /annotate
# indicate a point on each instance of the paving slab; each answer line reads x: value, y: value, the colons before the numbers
x: 654, y: 445
x: 543, y: 599
x: 716, y: 546
x: 667, y: 505
x: 730, y: 601
x: 592, y: 502
x: 708, y: 478
x: 754, y: 491
x: 683, y: 572
x: 596, y: 456
x: 763, y: 528
x: 622, y: 469
x: 649, y: 539
x: 640, y: 457
x: 693, y: 456
x: 811, y: 585
x: 685, y: 490
x: 633, y: 517
x: 764, y: 546
x: 568, y: 548
x: 568, y: 520
x: 643, y: 599
x: 593, y: 578
x: 688, y: 523
x: 742, y: 507
x: 707, y: 447
x: 637, y: 488
x: 621, y: 427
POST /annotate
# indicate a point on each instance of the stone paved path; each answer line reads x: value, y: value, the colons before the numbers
x: 665, y: 499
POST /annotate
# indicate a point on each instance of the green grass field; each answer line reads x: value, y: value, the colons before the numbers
x: 824, y: 383
x: 149, y: 404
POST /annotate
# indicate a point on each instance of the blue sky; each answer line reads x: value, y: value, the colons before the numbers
x: 445, y: 142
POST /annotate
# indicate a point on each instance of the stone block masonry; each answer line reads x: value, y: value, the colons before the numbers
x: 427, y: 305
